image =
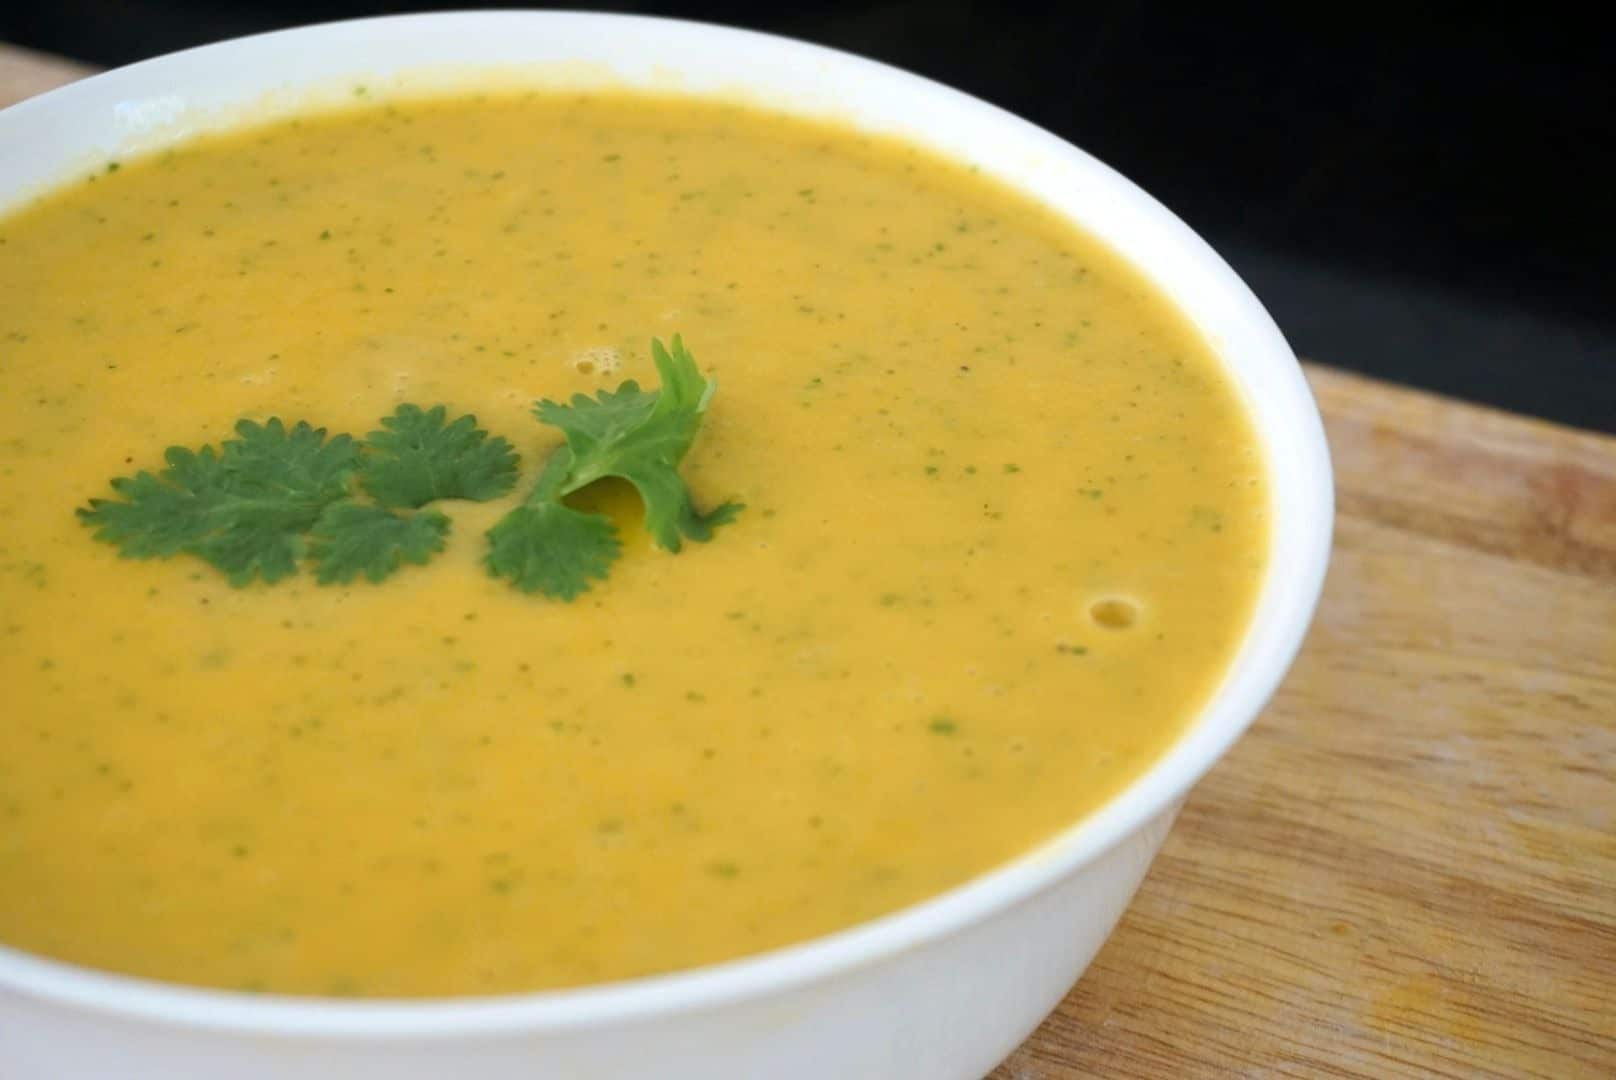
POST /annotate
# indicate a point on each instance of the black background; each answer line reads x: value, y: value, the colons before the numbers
x: 1426, y: 195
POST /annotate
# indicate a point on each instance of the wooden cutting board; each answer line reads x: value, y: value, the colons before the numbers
x: 1408, y: 868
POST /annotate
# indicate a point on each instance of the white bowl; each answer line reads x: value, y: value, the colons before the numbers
x: 946, y: 988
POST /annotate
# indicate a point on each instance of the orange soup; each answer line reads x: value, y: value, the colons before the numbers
x: 1004, y: 524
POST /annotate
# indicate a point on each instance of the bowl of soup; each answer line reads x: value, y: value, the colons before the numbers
x: 563, y: 544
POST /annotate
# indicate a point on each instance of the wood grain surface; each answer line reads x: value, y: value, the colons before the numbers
x: 24, y: 73
x: 1408, y: 868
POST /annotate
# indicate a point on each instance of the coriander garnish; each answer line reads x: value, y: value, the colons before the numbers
x: 640, y: 436
x: 244, y: 507
x: 417, y: 458
x: 275, y: 495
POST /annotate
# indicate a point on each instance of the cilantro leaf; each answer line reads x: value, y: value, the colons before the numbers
x: 417, y: 458
x: 158, y: 515
x: 297, y: 465
x: 552, y: 549
x: 353, y: 538
x: 590, y: 422
x: 243, y: 508
x: 274, y: 494
x: 641, y: 437
x: 636, y: 435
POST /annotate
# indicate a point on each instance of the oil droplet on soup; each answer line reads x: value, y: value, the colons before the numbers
x: 944, y: 409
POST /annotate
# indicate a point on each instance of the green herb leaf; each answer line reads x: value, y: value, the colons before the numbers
x: 636, y: 435
x: 641, y: 437
x: 352, y: 538
x: 158, y: 515
x: 243, y: 509
x: 273, y: 494
x: 417, y: 458
x: 552, y: 549
x: 298, y: 465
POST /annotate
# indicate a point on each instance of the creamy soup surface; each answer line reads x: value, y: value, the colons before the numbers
x: 1005, y: 524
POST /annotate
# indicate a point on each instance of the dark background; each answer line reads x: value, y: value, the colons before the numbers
x: 1424, y: 196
